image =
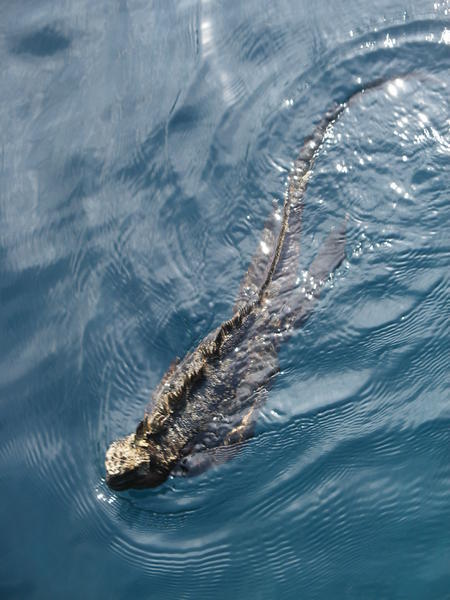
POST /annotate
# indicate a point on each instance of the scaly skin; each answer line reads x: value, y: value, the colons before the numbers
x: 205, y: 404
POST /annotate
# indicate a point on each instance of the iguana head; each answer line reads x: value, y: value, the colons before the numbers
x: 132, y: 463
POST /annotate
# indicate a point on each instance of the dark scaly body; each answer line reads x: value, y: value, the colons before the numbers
x: 205, y: 403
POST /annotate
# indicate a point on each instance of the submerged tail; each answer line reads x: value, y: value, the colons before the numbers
x: 298, y: 180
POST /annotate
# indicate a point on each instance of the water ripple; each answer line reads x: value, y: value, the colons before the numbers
x: 119, y: 256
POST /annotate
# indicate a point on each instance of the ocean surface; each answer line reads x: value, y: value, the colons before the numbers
x: 142, y: 146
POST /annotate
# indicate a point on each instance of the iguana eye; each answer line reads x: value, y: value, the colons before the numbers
x: 140, y: 430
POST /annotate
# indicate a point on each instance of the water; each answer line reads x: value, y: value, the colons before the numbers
x: 142, y: 147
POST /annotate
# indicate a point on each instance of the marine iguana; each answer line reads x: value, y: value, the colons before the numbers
x: 205, y: 404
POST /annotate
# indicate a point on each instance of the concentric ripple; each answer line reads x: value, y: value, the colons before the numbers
x: 396, y: 130
x: 131, y: 248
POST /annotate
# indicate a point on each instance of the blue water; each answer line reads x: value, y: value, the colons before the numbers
x: 142, y: 147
